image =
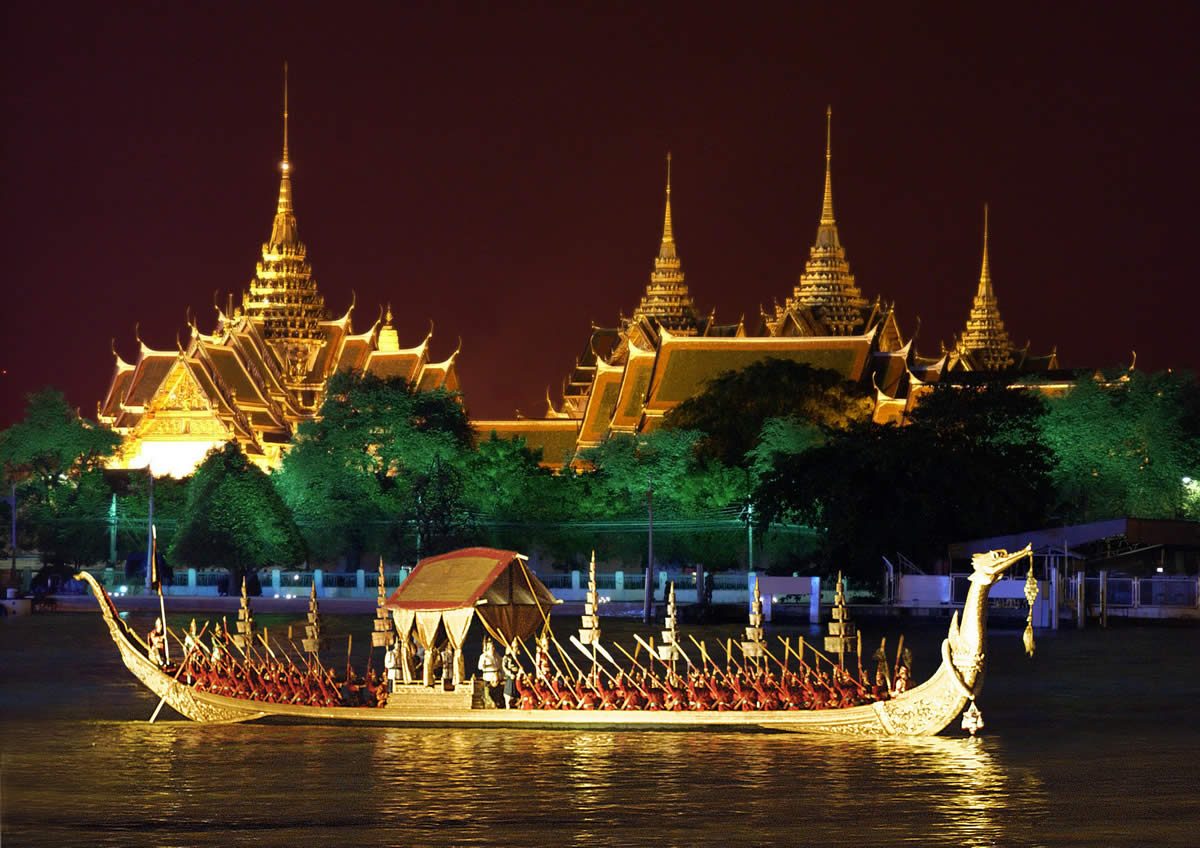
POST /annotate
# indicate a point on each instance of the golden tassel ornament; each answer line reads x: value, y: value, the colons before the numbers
x: 1031, y: 593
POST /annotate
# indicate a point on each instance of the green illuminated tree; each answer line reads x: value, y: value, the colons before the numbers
x: 55, y: 458
x: 235, y: 519
x: 352, y: 475
x: 1124, y: 447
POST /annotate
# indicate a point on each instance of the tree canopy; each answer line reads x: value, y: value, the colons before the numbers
x: 970, y: 464
x: 1125, y: 447
x: 53, y: 444
x: 354, y: 473
x: 55, y: 457
x: 733, y: 408
x: 234, y: 518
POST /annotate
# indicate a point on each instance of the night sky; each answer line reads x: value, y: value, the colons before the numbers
x: 501, y: 173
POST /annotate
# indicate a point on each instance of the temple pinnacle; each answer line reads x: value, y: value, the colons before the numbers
x: 283, y: 231
x: 667, y: 300
x: 668, y: 231
x: 985, y: 271
x: 285, y: 165
x: 827, y: 203
x: 985, y: 339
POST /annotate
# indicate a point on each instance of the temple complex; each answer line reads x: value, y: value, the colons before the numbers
x: 264, y: 367
x: 628, y: 376
x: 261, y: 371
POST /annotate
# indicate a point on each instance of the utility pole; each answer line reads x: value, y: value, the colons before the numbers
x: 750, y: 533
x: 13, y: 538
x: 150, y: 531
x: 648, y: 604
x: 112, y: 531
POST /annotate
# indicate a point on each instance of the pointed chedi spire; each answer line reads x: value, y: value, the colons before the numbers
x: 985, y: 271
x: 985, y: 341
x: 282, y: 298
x: 667, y: 299
x: 827, y: 287
x: 666, y: 250
x: 827, y: 200
x: 284, y: 230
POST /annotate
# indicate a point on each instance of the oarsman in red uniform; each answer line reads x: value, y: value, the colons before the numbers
x: 586, y: 696
x: 608, y: 698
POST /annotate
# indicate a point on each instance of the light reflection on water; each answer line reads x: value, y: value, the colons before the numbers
x: 1060, y: 765
x: 204, y: 785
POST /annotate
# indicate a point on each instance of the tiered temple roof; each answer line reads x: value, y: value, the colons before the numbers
x: 263, y: 369
x: 667, y: 301
x: 985, y: 344
x: 826, y: 300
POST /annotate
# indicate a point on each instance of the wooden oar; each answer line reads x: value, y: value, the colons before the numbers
x: 263, y: 638
x: 567, y: 659
x: 583, y: 649
x: 648, y: 673
x: 174, y: 680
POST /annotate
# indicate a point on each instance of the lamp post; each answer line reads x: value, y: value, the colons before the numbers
x: 750, y: 536
x: 648, y: 600
x: 150, y: 532
x: 12, y: 503
x: 112, y: 531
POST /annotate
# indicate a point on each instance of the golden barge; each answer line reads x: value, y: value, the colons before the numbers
x: 923, y: 710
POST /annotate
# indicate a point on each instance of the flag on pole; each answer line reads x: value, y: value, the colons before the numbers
x: 154, y: 558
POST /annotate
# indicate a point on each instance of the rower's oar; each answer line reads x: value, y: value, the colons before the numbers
x: 649, y: 673
x: 653, y: 654
x: 566, y: 658
x: 706, y: 660
x: 174, y: 680
x: 583, y: 649
x: 263, y: 638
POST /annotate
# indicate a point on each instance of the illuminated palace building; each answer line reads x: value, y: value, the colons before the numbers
x: 264, y: 368
x: 629, y: 376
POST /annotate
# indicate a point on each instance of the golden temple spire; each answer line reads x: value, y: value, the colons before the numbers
x: 285, y: 165
x: 985, y: 271
x: 827, y: 287
x: 284, y: 230
x: 667, y: 300
x: 985, y: 338
x: 283, y: 298
x: 827, y: 203
x: 668, y: 238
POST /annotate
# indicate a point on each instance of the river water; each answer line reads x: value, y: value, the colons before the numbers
x: 1092, y: 742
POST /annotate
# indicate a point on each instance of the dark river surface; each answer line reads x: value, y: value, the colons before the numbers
x: 1092, y: 742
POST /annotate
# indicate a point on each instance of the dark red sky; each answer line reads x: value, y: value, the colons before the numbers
x: 500, y: 173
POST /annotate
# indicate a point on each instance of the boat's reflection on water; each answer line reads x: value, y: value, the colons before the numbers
x: 519, y: 787
x: 789, y: 787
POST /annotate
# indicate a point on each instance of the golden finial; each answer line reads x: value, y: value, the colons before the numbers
x: 388, y: 317
x: 668, y: 231
x: 285, y: 165
x: 985, y: 271
x: 827, y: 203
x: 283, y: 230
